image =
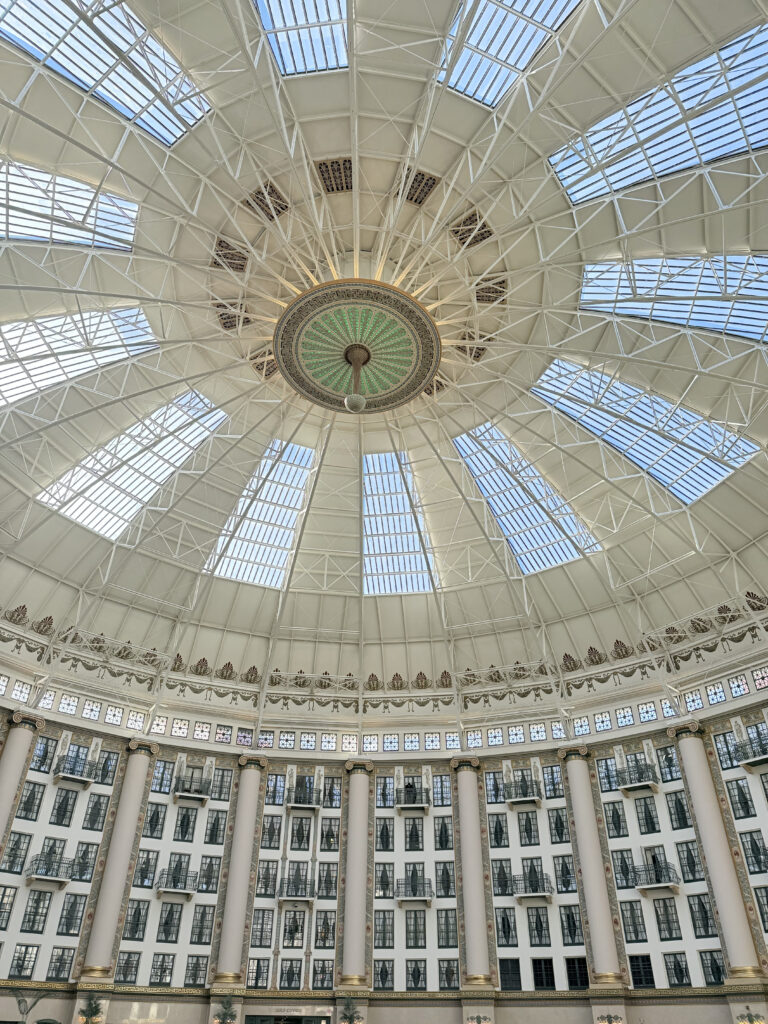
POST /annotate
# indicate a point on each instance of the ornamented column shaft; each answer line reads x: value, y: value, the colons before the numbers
x: 729, y: 898
x: 13, y: 759
x: 353, y: 965
x: 605, y: 959
x: 98, y: 958
x: 472, y: 875
x: 230, y: 963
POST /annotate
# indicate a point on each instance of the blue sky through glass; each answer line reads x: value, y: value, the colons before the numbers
x: 306, y: 35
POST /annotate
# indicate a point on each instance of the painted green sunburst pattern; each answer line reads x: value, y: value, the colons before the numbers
x: 315, y: 331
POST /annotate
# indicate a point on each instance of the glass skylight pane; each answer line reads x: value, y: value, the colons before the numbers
x: 105, y: 49
x: 39, y: 206
x: 540, y: 526
x: 109, y: 488
x: 719, y: 294
x: 306, y: 35
x: 36, y: 354
x: 255, y: 545
x: 394, y: 560
x: 503, y: 39
x: 709, y: 110
x: 678, y: 447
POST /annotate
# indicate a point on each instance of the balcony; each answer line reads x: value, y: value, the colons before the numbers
x: 652, y: 877
x: 75, y: 769
x: 521, y: 792
x: 412, y: 798
x: 751, y: 753
x: 533, y: 885
x: 190, y: 788
x: 304, y: 797
x: 641, y: 776
x: 296, y: 889
x: 46, y: 867
x: 178, y: 882
x: 414, y: 890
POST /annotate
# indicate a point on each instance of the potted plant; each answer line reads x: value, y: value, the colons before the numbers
x: 226, y: 1013
x: 350, y: 1013
x: 91, y: 1012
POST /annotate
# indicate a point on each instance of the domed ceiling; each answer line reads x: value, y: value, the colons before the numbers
x: 542, y: 223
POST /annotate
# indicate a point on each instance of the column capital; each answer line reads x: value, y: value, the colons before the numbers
x: 353, y: 766
x: 138, y: 746
x: 253, y: 761
x: 685, y: 729
x: 27, y: 720
x: 582, y: 751
x: 466, y: 763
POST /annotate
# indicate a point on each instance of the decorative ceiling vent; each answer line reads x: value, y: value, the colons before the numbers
x: 232, y: 317
x: 472, y: 351
x: 435, y: 386
x: 267, y: 200
x: 420, y: 187
x: 491, y: 289
x: 229, y: 256
x: 471, y: 230
x: 335, y: 175
x: 264, y: 364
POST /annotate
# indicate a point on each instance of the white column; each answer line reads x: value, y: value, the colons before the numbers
x: 356, y: 891
x: 13, y: 761
x: 726, y: 889
x: 605, y: 959
x: 98, y: 958
x: 472, y: 875
x: 230, y: 963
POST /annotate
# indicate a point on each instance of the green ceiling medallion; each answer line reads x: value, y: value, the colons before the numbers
x: 319, y: 329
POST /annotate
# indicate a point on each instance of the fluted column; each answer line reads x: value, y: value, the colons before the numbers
x: 353, y: 966
x: 726, y: 889
x: 229, y: 967
x: 472, y: 874
x: 13, y: 759
x: 605, y: 958
x: 98, y: 958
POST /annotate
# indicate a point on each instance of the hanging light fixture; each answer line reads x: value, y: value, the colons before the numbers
x: 357, y: 356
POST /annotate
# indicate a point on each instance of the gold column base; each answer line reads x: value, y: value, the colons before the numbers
x: 227, y: 978
x: 95, y: 972
x: 478, y: 980
x: 611, y: 978
x: 353, y: 981
x: 750, y: 973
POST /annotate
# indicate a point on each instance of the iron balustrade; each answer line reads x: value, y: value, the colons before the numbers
x: 412, y: 796
x: 43, y: 865
x: 296, y: 888
x: 662, y: 873
x: 173, y: 879
x: 638, y: 775
x: 191, y: 785
x: 751, y: 748
x: 532, y: 884
x: 302, y: 797
x: 414, y: 889
x: 522, y: 789
x: 76, y: 767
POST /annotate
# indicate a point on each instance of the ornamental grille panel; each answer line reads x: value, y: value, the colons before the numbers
x: 471, y: 230
x: 420, y: 187
x: 268, y: 201
x: 232, y: 317
x: 229, y: 256
x: 335, y: 174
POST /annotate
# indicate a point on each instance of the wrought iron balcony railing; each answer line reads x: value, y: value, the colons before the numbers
x: 662, y: 873
x: 179, y: 881
x: 43, y: 865
x: 300, y: 796
x: 522, y: 789
x: 532, y: 884
x: 414, y: 889
x: 751, y: 750
x: 412, y: 796
x: 296, y: 889
x: 638, y: 775
x: 191, y: 785
x: 76, y: 768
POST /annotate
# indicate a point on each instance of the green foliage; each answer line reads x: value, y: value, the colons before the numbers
x: 91, y: 1012
x: 349, y: 1012
x: 226, y: 1013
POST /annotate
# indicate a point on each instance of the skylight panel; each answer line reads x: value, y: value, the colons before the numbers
x: 104, y: 48
x: 717, y: 293
x: 394, y: 532
x: 109, y: 488
x: 306, y: 35
x: 37, y: 354
x: 712, y: 109
x: 40, y: 206
x: 681, y: 449
x: 540, y: 526
x: 256, y: 543
x: 503, y: 39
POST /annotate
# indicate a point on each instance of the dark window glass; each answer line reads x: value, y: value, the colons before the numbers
x: 162, y: 777
x: 384, y: 929
x: 329, y: 835
x: 325, y: 929
x: 509, y: 975
x: 383, y: 974
x: 72, y: 911
x: 31, y: 798
x: 633, y: 921
x: 448, y: 975
x: 441, y: 790
x: 221, y: 784
x: 666, y: 919
x: 447, y: 929
x: 669, y: 768
x: 528, y: 828
x: 162, y: 969
x: 261, y: 930
x: 60, y: 964
x: 538, y: 926
x: 443, y: 826
x: 414, y: 834
x: 270, y: 832
x: 676, y: 967
x: 216, y: 827
x: 506, y: 929
x: 186, y: 819
x: 577, y: 972
x: 301, y: 830
x: 415, y: 975
x: 553, y: 781
x: 169, y: 922
x: 42, y: 759
x: 677, y: 805
x: 702, y: 916
x: 154, y: 821
x: 615, y: 819
x: 63, y: 807
x: 202, y: 925
x: 95, y: 812
x: 258, y: 973
x: 713, y: 965
x: 690, y: 862
x: 543, y: 974
x: 742, y: 804
x: 331, y: 792
x: 642, y: 971
x: 15, y: 854
x: 135, y: 924
x: 606, y: 774
x: 570, y: 925
x: 558, y: 825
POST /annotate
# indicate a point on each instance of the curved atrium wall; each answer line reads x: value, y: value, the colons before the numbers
x: 164, y: 850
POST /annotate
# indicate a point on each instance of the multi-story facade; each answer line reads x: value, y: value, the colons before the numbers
x: 168, y: 862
